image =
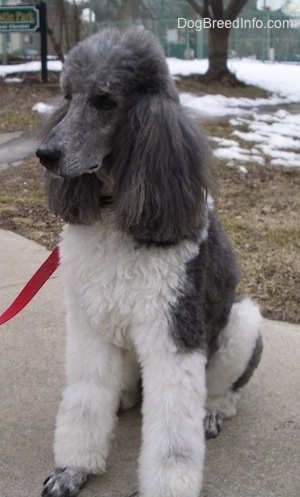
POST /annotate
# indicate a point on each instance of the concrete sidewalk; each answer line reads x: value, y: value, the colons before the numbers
x: 16, y: 146
x: 256, y: 455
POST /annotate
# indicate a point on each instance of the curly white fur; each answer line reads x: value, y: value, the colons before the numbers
x: 103, y: 322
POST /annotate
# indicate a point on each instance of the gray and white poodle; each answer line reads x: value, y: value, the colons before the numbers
x: 149, y: 275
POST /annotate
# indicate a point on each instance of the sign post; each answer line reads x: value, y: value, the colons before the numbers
x: 19, y: 18
x: 43, y: 31
x: 24, y: 18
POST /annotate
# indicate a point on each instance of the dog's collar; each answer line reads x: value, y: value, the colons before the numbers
x: 106, y: 200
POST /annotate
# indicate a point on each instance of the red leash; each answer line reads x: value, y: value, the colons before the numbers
x: 32, y: 287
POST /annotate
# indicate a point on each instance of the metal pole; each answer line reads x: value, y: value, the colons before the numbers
x: 264, y: 44
x: 4, y: 41
x: 187, y: 42
x: 43, y: 31
x: 163, y: 24
x: 199, y: 44
x: 267, y: 10
x: 268, y: 35
x: 236, y: 41
x: 90, y: 18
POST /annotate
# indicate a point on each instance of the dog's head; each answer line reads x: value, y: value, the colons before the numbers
x: 122, y: 132
x: 103, y: 76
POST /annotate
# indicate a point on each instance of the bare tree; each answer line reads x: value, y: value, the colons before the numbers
x: 133, y: 9
x: 218, y: 16
x: 64, y: 25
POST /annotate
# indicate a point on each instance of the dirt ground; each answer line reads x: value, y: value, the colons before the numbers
x: 17, y: 100
x: 260, y: 210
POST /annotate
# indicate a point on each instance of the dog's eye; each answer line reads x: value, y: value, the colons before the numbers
x: 68, y: 97
x: 103, y: 102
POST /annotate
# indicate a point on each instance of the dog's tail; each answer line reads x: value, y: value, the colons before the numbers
x: 239, y: 350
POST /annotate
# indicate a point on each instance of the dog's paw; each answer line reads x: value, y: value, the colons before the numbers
x: 213, y: 423
x: 64, y: 482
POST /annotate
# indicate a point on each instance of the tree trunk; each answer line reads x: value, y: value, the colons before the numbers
x: 217, y: 58
x: 217, y: 52
x: 217, y: 12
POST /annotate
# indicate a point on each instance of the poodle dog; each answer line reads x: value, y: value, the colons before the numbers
x: 149, y: 275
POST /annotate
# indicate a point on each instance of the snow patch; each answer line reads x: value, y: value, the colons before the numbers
x: 42, y: 108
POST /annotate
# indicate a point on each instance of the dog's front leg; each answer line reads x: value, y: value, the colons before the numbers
x: 88, y: 409
x: 173, y: 447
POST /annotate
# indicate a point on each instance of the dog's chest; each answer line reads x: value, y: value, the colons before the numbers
x: 118, y: 283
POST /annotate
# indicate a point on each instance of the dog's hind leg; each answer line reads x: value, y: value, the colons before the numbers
x: 232, y: 365
x: 88, y: 408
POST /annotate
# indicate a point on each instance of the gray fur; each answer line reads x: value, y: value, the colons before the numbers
x: 122, y: 116
x: 252, y: 365
x: 64, y: 482
x: 213, y: 423
x: 205, y: 302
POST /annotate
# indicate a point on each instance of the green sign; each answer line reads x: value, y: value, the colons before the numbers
x: 15, y: 18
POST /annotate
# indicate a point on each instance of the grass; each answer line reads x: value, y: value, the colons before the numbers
x: 193, y: 85
x: 261, y: 214
x: 14, y: 120
x: 219, y: 128
x: 17, y: 100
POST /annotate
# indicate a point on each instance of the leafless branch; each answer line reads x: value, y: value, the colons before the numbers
x: 214, y: 8
x: 198, y: 8
x: 234, y: 9
x: 56, y: 44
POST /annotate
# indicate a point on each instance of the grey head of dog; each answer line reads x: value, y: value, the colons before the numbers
x: 122, y: 132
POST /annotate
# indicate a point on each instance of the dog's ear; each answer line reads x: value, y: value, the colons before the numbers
x: 159, y: 165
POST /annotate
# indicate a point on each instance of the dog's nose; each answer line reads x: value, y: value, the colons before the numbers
x: 48, y: 157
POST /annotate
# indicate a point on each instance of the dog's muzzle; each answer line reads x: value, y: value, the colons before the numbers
x: 52, y: 160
